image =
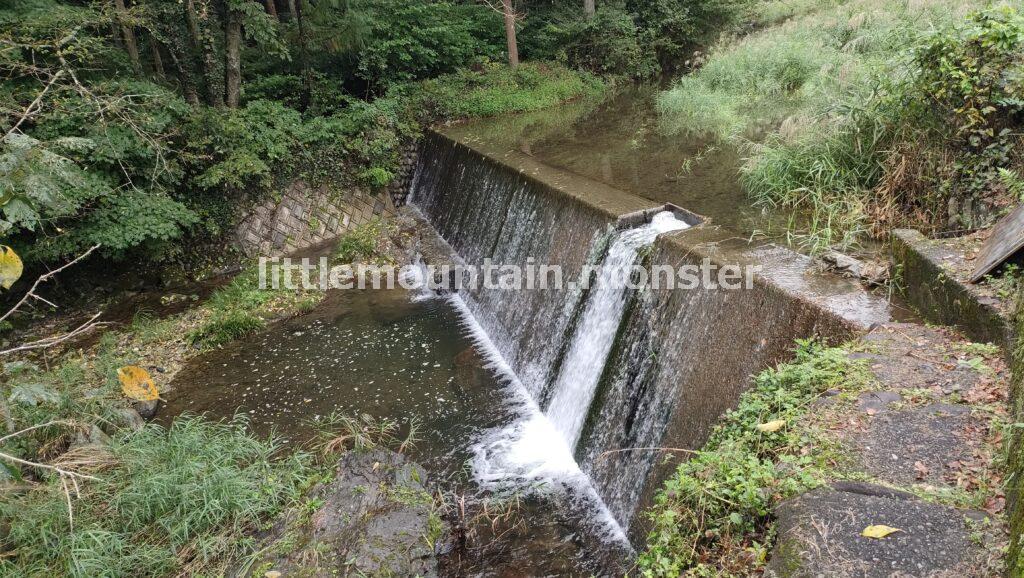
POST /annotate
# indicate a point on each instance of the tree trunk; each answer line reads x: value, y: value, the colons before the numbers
x: 271, y: 8
x: 589, y: 8
x: 307, y: 76
x: 158, y: 60
x: 188, y: 87
x: 203, y: 46
x: 129, y: 36
x: 232, y: 58
x: 292, y: 10
x: 510, y: 33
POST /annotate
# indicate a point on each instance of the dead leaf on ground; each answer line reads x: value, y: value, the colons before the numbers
x: 771, y: 426
x: 879, y: 531
x: 137, y: 384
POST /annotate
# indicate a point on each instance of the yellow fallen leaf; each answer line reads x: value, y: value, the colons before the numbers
x: 879, y: 531
x: 272, y: 574
x: 774, y: 425
x: 10, y: 267
x: 137, y: 384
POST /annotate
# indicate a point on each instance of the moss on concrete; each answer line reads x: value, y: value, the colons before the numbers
x: 1015, y: 458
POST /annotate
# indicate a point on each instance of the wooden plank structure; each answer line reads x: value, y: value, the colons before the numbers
x: 1006, y: 239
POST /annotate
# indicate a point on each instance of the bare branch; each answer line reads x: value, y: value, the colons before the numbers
x: 35, y: 103
x: 39, y: 426
x: 51, y: 341
x: 44, y: 278
x: 59, y: 471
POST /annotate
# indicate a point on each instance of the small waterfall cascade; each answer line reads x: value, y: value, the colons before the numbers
x: 606, y: 371
x: 595, y: 332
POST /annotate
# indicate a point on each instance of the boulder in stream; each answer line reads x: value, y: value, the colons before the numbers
x: 376, y: 518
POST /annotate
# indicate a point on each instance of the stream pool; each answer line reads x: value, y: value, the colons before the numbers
x: 391, y: 354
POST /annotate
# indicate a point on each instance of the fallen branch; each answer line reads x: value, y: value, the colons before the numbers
x: 51, y: 341
x: 59, y: 471
x: 39, y: 426
x: 653, y: 449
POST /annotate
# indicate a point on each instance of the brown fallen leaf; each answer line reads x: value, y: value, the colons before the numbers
x: 921, y: 470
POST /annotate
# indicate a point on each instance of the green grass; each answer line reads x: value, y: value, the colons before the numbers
x: 241, y: 308
x: 168, y: 500
x: 497, y: 89
x: 363, y: 244
x: 713, y: 516
x: 850, y: 147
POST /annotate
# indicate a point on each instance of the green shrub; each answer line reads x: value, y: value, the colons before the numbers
x: 361, y: 244
x: 416, y: 40
x: 609, y: 43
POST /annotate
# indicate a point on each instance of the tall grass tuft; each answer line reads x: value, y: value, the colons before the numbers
x: 168, y: 500
x: 851, y: 145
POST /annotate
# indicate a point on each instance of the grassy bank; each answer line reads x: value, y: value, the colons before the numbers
x: 799, y: 427
x: 713, y: 516
x: 865, y: 115
x: 150, y: 501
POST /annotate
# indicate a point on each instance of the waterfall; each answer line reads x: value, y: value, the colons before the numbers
x: 606, y: 373
x: 597, y: 327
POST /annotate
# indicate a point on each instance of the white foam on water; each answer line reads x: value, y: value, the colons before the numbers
x: 528, y: 454
x: 535, y: 452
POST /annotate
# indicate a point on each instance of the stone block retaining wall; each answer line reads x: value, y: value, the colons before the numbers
x: 305, y: 216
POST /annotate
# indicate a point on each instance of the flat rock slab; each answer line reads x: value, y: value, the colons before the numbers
x: 373, y: 520
x: 820, y: 536
x: 914, y: 445
x: 910, y: 356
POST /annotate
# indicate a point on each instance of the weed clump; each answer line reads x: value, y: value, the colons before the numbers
x: 165, y: 500
x: 717, y: 505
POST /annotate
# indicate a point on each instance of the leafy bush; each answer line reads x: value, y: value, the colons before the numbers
x: 421, y: 39
x: 608, y: 43
x: 720, y: 499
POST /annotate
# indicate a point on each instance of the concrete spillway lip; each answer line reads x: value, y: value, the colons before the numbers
x: 782, y: 269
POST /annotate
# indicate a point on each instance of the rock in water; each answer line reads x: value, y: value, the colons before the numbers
x: 374, y: 520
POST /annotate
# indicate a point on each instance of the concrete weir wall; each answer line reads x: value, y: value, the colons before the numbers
x: 681, y: 356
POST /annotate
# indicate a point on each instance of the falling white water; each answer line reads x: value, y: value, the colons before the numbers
x: 536, y: 451
x: 595, y: 332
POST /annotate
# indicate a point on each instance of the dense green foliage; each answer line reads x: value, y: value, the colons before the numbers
x: 714, y: 510
x: 887, y: 114
x: 125, y: 129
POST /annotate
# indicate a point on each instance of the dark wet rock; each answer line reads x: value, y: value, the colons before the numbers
x: 914, y: 445
x: 146, y: 409
x: 374, y: 519
x: 820, y: 535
